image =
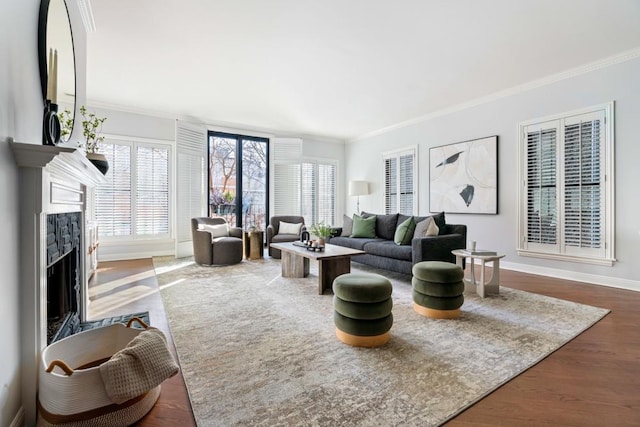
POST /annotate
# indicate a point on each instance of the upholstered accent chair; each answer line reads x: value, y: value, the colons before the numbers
x: 215, y: 242
x: 286, y: 233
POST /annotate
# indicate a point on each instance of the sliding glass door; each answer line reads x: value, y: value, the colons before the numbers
x: 238, y: 179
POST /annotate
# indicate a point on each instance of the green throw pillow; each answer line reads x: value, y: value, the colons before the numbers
x: 404, y: 232
x: 364, y: 227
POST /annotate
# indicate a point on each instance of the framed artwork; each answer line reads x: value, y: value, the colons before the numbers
x: 463, y: 177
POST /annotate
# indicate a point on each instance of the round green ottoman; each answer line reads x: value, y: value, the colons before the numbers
x: 437, y: 289
x: 362, y: 304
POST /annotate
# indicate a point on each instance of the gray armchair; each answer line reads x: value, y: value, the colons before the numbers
x: 273, y: 235
x: 222, y: 250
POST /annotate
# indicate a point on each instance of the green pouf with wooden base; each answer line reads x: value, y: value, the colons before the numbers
x: 362, y: 304
x: 437, y: 289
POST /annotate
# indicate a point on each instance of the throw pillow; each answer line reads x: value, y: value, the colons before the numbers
x: 426, y: 228
x: 404, y: 232
x: 364, y: 227
x: 217, y: 230
x: 289, y: 228
x: 347, y: 226
x: 385, y: 224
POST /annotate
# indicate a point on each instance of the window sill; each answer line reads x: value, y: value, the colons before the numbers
x: 570, y: 258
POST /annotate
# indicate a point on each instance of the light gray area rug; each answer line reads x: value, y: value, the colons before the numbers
x: 257, y: 349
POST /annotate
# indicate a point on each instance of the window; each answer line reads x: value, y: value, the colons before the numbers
x: 318, y: 192
x: 400, y: 193
x: 134, y: 202
x: 566, y: 200
x: 303, y: 186
x: 238, y: 182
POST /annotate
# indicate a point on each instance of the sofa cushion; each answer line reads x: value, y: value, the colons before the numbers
x: 347, y: 226
x: 385, y: 224
x: 426, y: 228
x: 364, y: 227
x: 352, y: 242
x: 388, y: 249
x: 404, y: 232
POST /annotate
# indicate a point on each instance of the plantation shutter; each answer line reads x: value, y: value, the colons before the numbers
x: 191, y: 145
x: 542, y: 209
x: 406, y: 184
x: 400, y: 193
x: 390, y: 185
x: 566, y: 200
x: 113, y: 198
x: 326, y: 189
x: 287, y: 154
x: 308, y: 179
x: 152, y: 190
x: 583, y: 201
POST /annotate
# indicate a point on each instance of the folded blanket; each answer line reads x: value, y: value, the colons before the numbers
x: 143, y: 364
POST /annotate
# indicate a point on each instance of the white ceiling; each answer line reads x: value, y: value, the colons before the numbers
x: 338, y: 68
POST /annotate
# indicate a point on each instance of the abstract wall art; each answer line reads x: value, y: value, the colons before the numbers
x: 463, y: 177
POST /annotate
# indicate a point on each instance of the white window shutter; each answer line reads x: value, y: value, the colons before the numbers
x: 400, y: 182
x: 191, y: 144
x: 542, y: 192
x: 152, y: 190
x: 113, y: 198
x: 566, y: 198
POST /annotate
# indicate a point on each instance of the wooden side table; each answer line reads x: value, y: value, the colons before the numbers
x: 253, y: 243
x: 483, y: 287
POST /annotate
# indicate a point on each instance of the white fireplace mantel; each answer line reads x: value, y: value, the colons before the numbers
x: 52, y: 180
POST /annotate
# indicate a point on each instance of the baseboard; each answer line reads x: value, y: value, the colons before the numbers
x: 594, y: 279
x: 18, y: 420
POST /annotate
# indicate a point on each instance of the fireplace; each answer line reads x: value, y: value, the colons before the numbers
x: 64, y: 275
x: 54, y: 185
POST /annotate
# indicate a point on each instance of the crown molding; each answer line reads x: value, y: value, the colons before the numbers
x: 86, y: 12
x: 545, y: 81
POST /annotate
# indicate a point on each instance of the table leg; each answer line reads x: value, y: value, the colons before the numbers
x: 493, y: 285
x: 294, y: 265
x: 329, y: 269
x: 482, y: 276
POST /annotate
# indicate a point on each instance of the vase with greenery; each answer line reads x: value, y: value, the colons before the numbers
x: 91, y: 129
x: 322, y: 231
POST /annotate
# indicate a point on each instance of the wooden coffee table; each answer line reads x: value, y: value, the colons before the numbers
x: 332, y: 262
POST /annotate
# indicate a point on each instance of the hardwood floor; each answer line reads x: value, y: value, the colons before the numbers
x: 593, y: 380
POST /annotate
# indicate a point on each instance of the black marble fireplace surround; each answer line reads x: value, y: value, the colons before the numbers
x: 64, y: 275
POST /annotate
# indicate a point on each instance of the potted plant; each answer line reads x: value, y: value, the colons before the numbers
x: 322, y: 231
x: 91, y: 128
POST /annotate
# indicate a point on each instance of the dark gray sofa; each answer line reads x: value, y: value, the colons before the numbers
x: 383, y: 252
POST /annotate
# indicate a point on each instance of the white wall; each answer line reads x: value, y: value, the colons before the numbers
x: 20, y: 119
x: 501, y: 117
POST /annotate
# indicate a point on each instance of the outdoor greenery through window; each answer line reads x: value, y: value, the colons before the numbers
x: 566, y: 202
x: 238, y: 179
x: 134, y: 202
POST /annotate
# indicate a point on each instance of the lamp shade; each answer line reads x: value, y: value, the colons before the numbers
x: 358, y: 188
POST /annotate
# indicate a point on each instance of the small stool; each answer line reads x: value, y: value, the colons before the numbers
x: 437, y: 289
x: 362, y: 304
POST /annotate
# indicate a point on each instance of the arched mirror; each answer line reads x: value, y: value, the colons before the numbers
x: 54, y: 33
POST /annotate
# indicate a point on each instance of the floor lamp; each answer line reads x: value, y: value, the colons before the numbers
x: 358, y: 188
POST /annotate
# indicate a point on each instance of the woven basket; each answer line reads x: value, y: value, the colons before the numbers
x: 71, y: 392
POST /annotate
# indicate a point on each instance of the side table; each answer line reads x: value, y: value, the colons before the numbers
x: 483, y: 287
x: 253, y: 243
